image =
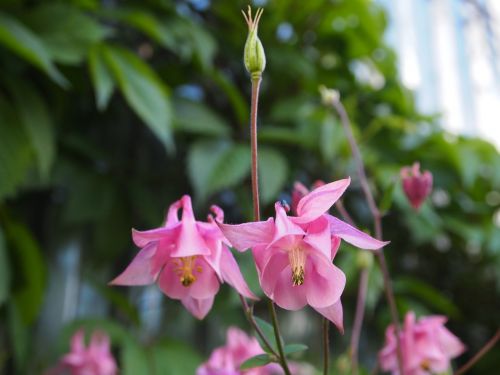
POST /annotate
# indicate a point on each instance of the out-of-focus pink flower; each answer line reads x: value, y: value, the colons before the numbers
x: 189, y: 259
x: 427, y: 346
x: 417, y: 186
x: 227, y: 359
x: 294, y: 254
x: 96, y: 359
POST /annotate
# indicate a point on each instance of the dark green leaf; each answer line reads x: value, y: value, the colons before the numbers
x: 144, y: 91
x: 268, y: 332
x: 294, y: 348
x: 102, y: 79
x: 174, y: 359
x: 257, y: 361
x: 387, y: 198
x: 273, y: 168
x: 24, y: 42
x: 4, y: 270
x: 195, y: 117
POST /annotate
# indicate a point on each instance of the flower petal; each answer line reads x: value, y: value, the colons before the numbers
x: 142, y: 238
x: 144, y: 269
x: 198, y: 307
x: 170, y: 283
x: 246, y: 236
x: 286, y: 295
x: 319, y: 201
x: 319, y: 238
x: 232, y: 274
x: 353, y: 236
x: 283, y: 226
x: 324, y: 282
x: 334, y: 313
x: 206, y: 284
x: 271, y: 271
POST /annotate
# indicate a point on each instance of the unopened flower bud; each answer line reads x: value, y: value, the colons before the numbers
x: 254, y: 56
x: 328, y: 96
x: 364, y: 259
x: 417, y: 186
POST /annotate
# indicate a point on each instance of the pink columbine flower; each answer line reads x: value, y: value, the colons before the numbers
x: 417, y: 186
x: 96, y: 359
x: 294, y: 254
x: 189, y: 259
x: 427, y: 346
x: 227, y: 359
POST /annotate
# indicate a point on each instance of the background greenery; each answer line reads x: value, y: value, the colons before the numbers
x: 111, y: 110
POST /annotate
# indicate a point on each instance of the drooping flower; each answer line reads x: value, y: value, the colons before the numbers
x: 417, y: 186
x: 294, y: 254
x: 189, y: 259
x: 427, y: 346
x: 227, y: 359
x: 96, y: 359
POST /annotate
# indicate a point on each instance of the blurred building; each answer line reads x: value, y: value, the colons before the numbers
x: 449, y: 55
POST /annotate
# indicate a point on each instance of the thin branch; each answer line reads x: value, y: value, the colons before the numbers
x: 326, y: 346
x: 277, y: 334
x: 480, y: 354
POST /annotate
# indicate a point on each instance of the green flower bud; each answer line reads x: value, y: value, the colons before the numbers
x: 364, y: 259
x: 254, y: 56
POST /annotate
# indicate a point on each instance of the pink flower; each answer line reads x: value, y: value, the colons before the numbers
x: 427, y: 346
x: 294, y: 254
x: 417, y: 186
x: 189, y: 259
x: 96, y: 359
x: 226, y: 360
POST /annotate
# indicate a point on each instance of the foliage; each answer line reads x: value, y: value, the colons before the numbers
x: 109, y: 111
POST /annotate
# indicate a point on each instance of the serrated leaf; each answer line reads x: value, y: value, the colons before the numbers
x: 25, y: 43
x: 102, y: 79
x: 195, y: 117
x: 214, y: 166
x: 66, y: 31
x: 37, y: 123
x: 144, y: 91
x: 273, y: 168
x: 294, y: 348
x: 257, y: 361
x: 4, y: 270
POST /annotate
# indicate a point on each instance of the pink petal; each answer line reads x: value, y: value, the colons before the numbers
x: 142, y: 238
x: 335, y: 246
x: 198, y: 307
x: 232, y: 274
x: 319, y: 237
x: 99, y: 342
x: 170, y: 283
x: 246, y: 236
x: 271, y: 271
x: 286, y: 295
x: 144, y: 269
x: 173, y: 213
x: 352, y: 235
x: 284, y: 227
x: 206, y: 284
x: 319, y: 201
x: 334, y: 314
x: 324, y: 282
x: 78, y: 341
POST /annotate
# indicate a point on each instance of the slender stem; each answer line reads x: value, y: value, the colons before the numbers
x: 358, y: 318
x: 253, y: 139
x: 377, y: 222
x: 250, y: 317
x: 277, y: 334
x: 480, y: 354
x: 256, y: 79
x: 326, y: 346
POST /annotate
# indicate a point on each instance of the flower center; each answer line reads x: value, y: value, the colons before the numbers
x: 184, y: 269
x: 297, y: 257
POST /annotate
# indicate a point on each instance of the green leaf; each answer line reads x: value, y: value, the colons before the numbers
x: 37, y: 123
x: 25, y: 43
x: 174, y: 359
x: 331, y: 137
x: 195, y: 117
x: 102, y: 79
x: 256, y: 361
x: 134, y: 359
x: 4, y: 270
x: 144, y: 91
x: 268, y: 332
x: 294, y: 348
x: 66, y: 31
x: 19, y: 336
x: 273, y: 169
x: 214, y: 166
x: 387, y: 198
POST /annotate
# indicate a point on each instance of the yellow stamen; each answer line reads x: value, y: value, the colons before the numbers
x: 425, y: 365
x: 184, y: 270
x: 297, y: 259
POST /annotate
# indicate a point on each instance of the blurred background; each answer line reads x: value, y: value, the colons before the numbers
x: 111, y: 110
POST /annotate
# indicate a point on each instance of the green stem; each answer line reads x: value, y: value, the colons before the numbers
x: 277, y: 334
x: 326, y: 346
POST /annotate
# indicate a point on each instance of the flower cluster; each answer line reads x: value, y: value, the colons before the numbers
x: 427, y: 346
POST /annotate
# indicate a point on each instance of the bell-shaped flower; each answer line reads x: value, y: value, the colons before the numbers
x: 427, y: 346
x: 188, y: 259
x: 294, y: 254
x: 96, y: 359
x: 417, y: 186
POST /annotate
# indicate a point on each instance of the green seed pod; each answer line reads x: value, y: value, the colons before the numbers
x: 254, y: 56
